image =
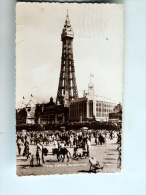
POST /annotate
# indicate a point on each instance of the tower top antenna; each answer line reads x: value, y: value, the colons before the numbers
x: 67, y: 14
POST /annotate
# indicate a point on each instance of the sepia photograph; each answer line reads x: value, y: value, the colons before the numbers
x: 69, y: 88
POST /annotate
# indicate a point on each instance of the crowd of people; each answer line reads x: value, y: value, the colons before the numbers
x: 75, y: 139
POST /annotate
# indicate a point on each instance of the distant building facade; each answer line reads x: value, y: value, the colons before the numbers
x: 116, y: 115
x: 51, y: 113
x: 104, y: 106
x: 26, y: 114
x: 46, y: 113
x: 30, y: 109
x: 21, y: 116
x: 90, y: 107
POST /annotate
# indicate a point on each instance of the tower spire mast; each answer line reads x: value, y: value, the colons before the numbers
x: 67, y: 13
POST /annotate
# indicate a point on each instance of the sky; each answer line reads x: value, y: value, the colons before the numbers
x: 97, y: 48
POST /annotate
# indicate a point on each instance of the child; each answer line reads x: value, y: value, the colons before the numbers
x: 20, y: 146
x: 31, y: 158
x: 76, y: 154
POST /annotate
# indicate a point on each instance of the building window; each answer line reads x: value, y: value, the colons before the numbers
x: 90, y: 108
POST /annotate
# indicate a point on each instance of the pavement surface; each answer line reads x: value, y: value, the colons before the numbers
x: 106, y: 155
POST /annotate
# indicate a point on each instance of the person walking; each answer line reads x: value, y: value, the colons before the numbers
x: 26, y: 149
x: 20, y: 146
x: 56, y: 144
x: 88, y: 146
x: 39, y: 154
x: 96, y: 138
x: 71, y: 140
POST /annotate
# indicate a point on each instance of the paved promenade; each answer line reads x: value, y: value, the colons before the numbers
x: 106, y: 154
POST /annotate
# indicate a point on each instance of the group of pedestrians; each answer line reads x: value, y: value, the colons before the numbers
x: 79, y: 140
x: 23, y: 147
x: 24, y: 150
x: 101, y: 137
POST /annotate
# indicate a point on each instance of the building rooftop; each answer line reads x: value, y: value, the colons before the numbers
x: 79, y: 100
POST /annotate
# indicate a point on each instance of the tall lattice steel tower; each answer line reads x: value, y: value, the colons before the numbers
x: 67, y: 88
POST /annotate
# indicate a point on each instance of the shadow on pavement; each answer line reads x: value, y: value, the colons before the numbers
x: 111, y: 150
x: 89, y: 171
x: 110, y: 163
x: 110, y: 159
x: 84, y: 171
x: 22, y: 159
x: 50, y: 160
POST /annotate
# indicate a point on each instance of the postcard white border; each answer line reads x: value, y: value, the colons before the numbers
x: 132, y: 178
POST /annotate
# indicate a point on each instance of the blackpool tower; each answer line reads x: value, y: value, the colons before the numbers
x: 67, y: 88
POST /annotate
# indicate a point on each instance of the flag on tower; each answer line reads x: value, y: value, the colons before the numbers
x: 91, y: 76
x: 23, y: 97
x: 31, y: 95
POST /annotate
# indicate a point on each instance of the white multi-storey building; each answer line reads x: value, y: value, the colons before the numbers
x: 91, y: 107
